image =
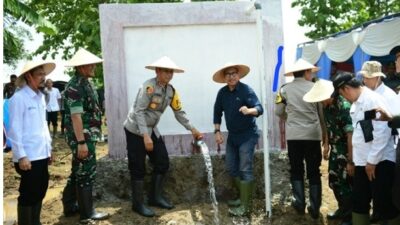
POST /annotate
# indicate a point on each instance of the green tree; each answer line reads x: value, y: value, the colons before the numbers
x: 14, y: 34
x: 326, y: 17
x: 78, y: 23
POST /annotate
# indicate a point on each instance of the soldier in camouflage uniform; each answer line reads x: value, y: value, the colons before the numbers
x: 143, y: 137
x: 82, y: 125
x: 339, y: 133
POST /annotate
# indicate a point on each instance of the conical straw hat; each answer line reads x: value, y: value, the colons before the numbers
x: 83, y: 57
x: 165, y: 62
x: 48, y: 67
x: 321, y: 90
x: 219, y: 76
x: 301, y: 65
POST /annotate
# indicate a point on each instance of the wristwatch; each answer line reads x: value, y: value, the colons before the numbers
x: 216, y: 131
x: 82, y: 142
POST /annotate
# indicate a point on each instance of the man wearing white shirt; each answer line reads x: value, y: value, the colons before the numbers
x: 373, y: 154
x: 372, y: 78
x: 53, y: 105
x: 30, y: 140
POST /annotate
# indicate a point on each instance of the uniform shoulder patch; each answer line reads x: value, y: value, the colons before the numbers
x: 176, y: 102
x: 149, y: 89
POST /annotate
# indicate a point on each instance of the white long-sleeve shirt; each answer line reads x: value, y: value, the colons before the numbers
x: 380, y: 148
x: 54, y: 97
x: 28, y: 133
x: 392, y: 100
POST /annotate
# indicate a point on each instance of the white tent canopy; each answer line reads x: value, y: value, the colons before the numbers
x: 376, y: 39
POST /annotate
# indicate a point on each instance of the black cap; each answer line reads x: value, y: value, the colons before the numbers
x: 395, y: 50
x: 341, y: 79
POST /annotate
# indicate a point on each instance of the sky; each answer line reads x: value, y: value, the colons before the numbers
x: 290, y: 27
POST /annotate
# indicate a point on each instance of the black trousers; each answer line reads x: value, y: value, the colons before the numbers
x: 52, y: 117
x: 396, y: 185
x: 378, y: 190
x: 137, y: 155
x: 308, y: 151
x: 34, y: 182
x: 62, y: 120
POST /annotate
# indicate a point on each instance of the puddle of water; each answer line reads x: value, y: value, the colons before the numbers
x: 10, y: 204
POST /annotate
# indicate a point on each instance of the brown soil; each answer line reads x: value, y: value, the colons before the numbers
x: 186, y: 212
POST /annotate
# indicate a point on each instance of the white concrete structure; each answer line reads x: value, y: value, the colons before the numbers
x: 200, y: 37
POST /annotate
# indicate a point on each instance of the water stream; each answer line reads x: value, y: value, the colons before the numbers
x: 207, y: 160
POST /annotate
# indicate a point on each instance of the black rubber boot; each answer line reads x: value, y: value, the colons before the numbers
x: 347, y: 209
x: 338, y: 213
x: 315, y: 200
x: 156, y: 194
x: 299, y: 202
x: 344, y: 210
x: 36, y: 209
x: 25, y: 215
x: 69, y: 200
x: 138, y: 199
x: 86, y: 210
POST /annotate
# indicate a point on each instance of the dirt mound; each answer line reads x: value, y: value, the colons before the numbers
x: 186, y: 187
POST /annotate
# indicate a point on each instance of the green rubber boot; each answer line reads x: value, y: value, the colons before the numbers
x: 360, y: 219
x: 235, y: 202
x: 246, y: 196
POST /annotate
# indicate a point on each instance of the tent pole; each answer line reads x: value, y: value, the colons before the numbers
x: 261, y: 63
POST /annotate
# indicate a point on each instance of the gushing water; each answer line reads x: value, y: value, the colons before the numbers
x: 207, y: 160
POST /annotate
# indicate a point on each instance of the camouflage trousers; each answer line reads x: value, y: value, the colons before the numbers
x: 339, y: 180
x: 83, y: 172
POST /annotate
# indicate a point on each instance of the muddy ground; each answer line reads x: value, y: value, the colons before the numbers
x: 186, y: 187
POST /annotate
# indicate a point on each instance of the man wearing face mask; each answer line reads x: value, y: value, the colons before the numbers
x: 82, y: 125
x: 30, y: 140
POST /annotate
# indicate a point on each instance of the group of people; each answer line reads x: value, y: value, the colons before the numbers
x: 347, y: 116
x: 240, y: 106
x: 31, y: 140
x: 350, y: 117
x: 32, y: 149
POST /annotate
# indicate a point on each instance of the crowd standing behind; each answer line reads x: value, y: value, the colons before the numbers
x: 53, y: 102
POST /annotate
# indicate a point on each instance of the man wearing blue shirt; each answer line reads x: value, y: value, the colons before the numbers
x: 240, y: 105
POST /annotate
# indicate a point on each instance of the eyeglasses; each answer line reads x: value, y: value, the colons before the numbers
x: 231, y: 74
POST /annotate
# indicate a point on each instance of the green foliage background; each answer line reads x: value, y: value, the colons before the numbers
x: 327, y: 17
x: 68, y: 25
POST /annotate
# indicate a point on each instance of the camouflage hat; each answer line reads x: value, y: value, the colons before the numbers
x: 371, y: 69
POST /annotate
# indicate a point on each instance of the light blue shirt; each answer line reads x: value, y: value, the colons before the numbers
x: 28, y: 133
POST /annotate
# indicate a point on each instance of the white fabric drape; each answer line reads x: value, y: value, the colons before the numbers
x: 380, y: 38
x: 341, y: 48
x: 375, y: 40
x: 311, y: 53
